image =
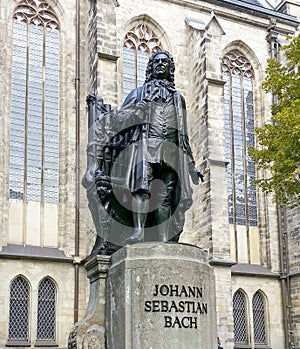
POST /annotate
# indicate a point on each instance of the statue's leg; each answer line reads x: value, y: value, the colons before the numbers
x: 140, y: 210
x: 163, y: 212
x: 140, y: 204
x: 162, y: 218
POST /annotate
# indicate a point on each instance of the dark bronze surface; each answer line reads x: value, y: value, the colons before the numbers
x: 139, y: 162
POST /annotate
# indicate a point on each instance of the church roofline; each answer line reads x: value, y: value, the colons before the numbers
x: 260, y: 9
x: 252, y: 269
x: 246, y: 7
x: 14, y: 251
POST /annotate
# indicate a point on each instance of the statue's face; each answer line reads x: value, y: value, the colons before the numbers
x: 161, y: 66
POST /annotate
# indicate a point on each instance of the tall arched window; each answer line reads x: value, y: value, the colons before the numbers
x: 33, y: 165
x: 46, y: 314
x: 239, y: 134
x: 259, y: 318
x: 140, y: 42
x: 19, y: 298
x: 240, y: 318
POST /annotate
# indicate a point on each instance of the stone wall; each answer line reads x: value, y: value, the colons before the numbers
x: 5, y: 68
x: 293, y: 239
x: 251, y: 284
x: 62, y: 273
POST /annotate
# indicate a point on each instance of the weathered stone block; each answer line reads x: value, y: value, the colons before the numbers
x: 160, y: 296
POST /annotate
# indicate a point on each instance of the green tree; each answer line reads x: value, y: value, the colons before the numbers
x: 278, y: 146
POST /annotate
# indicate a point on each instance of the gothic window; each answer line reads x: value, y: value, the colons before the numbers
x: 33, y: 163
x: 18, y: 327
x: 259, y: 319
x: 140, y: 42
x: 46, y: 314
x: 240, y: 318
x: 239, y: 134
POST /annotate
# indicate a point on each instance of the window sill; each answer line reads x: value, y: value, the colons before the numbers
x: 247, y: 346
x: 43, y: 344
x: 242, y: 346
x: 15, y: 343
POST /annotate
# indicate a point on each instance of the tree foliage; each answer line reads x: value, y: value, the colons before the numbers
x: 278, y: 146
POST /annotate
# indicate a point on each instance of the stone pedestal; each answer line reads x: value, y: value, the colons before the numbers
x: 160, y: 296
x: 89, y: 333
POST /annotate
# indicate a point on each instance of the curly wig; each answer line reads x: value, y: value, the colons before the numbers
x: 170, y: 77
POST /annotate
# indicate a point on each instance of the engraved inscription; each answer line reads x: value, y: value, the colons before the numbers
x: 183, y: 312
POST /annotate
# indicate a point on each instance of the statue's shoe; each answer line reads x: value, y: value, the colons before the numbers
x: 137, y: 236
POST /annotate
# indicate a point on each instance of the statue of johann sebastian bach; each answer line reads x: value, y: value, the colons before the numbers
x: 160, y: 159
x: 139, y: 162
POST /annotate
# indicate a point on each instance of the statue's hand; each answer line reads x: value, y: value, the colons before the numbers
x: 142, y: 105
x: 196, y: 175
x: 141, y: 109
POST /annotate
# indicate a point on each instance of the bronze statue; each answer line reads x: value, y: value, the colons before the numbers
x: 143, y: 161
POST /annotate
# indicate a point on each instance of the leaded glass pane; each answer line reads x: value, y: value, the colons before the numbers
x: 35, y: 107
x: 46, y: 310
x: 128, y: 70
x: 35, y: 100
x: 250, y: 141
x: 51, y: 132
x: 258, y: 306
x: 142, y: 60
x: 228, y: 135
x: 240, y: 318
x: 19, y: 310
x: 239, y: 135
x: 238, y: 149
x: 17, y: 120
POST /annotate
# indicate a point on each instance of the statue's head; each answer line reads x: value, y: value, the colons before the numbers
x: 160, y: 66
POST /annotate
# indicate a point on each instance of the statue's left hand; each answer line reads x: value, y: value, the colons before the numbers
x: 103, y: 183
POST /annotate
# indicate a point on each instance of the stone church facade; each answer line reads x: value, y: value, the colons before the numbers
x: 52, y: 55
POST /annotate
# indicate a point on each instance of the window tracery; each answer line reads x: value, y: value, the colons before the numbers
x: 234, y: 63
x: 142, y: 37
x: 37, y: 12
x: 139, y: 43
